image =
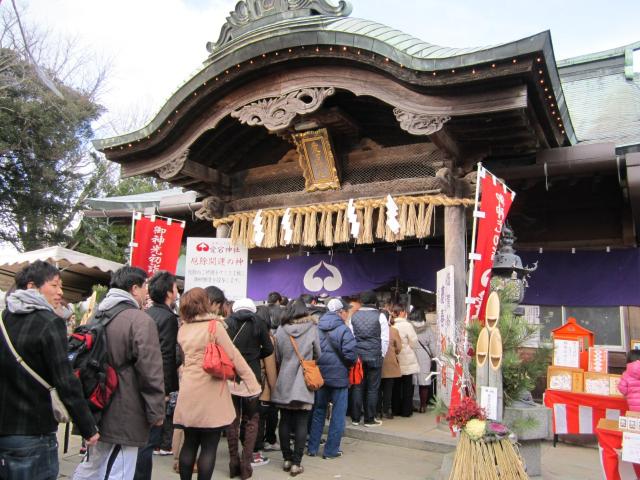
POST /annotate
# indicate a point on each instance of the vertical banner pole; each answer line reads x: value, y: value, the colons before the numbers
x: 473, y: 249
x: 133, y: 229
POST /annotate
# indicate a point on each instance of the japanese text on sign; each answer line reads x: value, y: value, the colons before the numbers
x: 214, y: 261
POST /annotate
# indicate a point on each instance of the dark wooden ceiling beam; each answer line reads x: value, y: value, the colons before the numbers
x: 364, y: 190
x: 342, y: 77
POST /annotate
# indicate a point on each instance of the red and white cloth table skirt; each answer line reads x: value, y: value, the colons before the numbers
x: 610, y: 449
x: 579, y: 413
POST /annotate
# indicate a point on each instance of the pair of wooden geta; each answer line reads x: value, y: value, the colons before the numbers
x: 489, y: 344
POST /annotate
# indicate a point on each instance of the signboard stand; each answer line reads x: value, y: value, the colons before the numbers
x: 215, y: 261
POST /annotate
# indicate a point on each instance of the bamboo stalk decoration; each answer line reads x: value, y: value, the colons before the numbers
x: 416, y: 218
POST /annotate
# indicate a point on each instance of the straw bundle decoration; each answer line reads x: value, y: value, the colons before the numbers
x: 328, y: 230
x: 367, y: 227
x: 360, y: 218
x: 297, y: 230
x: 381, y: 224
x: 345, y: 231
x: 322, y: 227
x: 416, y: 218
x: 412, y: 220
x: 402, y: 219
x: 486, y: 460
x: 337, y: 234
x: 271, y: 236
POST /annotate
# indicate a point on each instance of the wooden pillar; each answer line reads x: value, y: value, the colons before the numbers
x: 223, y: 231
x: 455, y: 254
x: 455, y: 240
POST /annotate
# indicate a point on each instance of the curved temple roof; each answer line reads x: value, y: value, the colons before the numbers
x: 251, y: 32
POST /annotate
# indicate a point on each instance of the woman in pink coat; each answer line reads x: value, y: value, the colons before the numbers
x: 629, y: 385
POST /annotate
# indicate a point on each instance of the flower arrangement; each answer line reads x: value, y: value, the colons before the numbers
x: 467, y: 410
x: 470, y: 418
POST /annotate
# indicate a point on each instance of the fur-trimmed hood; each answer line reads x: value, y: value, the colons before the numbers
x: 299, y: 326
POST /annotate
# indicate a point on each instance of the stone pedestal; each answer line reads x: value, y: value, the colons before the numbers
x: 530, y: 439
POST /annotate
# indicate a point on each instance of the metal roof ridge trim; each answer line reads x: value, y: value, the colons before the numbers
x: 596, y: 56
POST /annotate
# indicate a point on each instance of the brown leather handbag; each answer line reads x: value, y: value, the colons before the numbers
x: 312, y: 376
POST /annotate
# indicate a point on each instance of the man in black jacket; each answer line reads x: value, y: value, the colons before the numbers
x: 28, y: 445
x: 272, y: 312
x: 163, y: 291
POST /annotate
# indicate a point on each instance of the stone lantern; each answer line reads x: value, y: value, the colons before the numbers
x: 508, y: 272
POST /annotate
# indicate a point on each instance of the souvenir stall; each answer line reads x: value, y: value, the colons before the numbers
x: 580, y: 391
x: 583, y: 395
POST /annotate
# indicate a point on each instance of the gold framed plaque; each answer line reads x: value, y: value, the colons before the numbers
x: 317, y: 161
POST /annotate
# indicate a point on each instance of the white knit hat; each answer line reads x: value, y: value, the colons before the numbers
x: 244, y: 304
x: 336, y: 304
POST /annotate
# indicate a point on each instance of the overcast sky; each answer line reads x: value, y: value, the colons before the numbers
x: 155, y: 45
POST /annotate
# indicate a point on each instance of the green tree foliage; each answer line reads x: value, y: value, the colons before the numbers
x: 46, y: 168
x: 519, y: 374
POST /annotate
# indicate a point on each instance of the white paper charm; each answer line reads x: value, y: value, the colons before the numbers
x: 353, y: 219
x: 286, y: 226
x: 392, y: 215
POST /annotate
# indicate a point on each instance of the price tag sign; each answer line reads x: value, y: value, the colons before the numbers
x: 631, y: 447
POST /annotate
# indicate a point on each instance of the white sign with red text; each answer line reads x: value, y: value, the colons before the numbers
x: 214, y: 261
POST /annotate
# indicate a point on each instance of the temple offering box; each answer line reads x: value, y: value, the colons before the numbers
x: 571, y: 344
x: 565, y: 379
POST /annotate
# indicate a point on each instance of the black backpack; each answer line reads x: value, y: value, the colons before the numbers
x: 89, y: 357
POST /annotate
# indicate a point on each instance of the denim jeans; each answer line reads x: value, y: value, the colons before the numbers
x: 366, y: 394
x: 144, y: 465
x: 29, y: 457
x: 337, y: 396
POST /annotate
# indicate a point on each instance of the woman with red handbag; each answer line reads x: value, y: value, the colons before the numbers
x: 204, y: 407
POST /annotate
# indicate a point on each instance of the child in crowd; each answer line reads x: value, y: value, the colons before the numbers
x: 629, y: 385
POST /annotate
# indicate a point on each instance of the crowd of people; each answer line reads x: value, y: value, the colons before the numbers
x: 373, y: 359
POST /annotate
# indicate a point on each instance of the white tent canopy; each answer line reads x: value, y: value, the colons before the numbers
x: 79, y: 271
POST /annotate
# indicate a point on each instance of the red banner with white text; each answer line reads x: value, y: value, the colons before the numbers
x: 156, y: 244
x: 495, y: 201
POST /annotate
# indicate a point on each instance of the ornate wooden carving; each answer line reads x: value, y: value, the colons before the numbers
x: 362, y: 82
x: 316, y: 160
x: 419, y: 123
x: 173, y: 166
x: 277, y: 113
x: 248, y: 11
x: 212, y: 207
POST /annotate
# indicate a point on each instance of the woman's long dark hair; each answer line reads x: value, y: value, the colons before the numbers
x: 417, y: 315
x: 294, y: 310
